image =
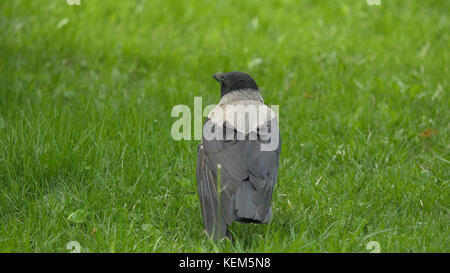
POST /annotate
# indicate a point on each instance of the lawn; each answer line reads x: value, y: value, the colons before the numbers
x: 86, y: 94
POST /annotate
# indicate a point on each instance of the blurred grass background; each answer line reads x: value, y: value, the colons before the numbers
x: 86, y: 94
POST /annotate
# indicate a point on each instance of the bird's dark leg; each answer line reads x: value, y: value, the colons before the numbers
x: 229, y: 236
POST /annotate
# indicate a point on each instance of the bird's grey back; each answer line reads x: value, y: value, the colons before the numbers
x: 248, y: 176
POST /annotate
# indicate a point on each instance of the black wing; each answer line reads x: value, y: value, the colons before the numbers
x: 248, y: 177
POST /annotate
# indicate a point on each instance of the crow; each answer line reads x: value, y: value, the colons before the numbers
x: 238, y: 157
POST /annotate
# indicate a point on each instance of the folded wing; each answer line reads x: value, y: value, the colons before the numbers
x: 248, y: 175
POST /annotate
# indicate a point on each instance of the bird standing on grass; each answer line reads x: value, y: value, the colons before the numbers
x: 237, y: 160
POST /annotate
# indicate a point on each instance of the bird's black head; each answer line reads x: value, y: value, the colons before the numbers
x: 233, y: 81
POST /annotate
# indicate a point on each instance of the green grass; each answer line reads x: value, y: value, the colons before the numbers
x: 86, y: 94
